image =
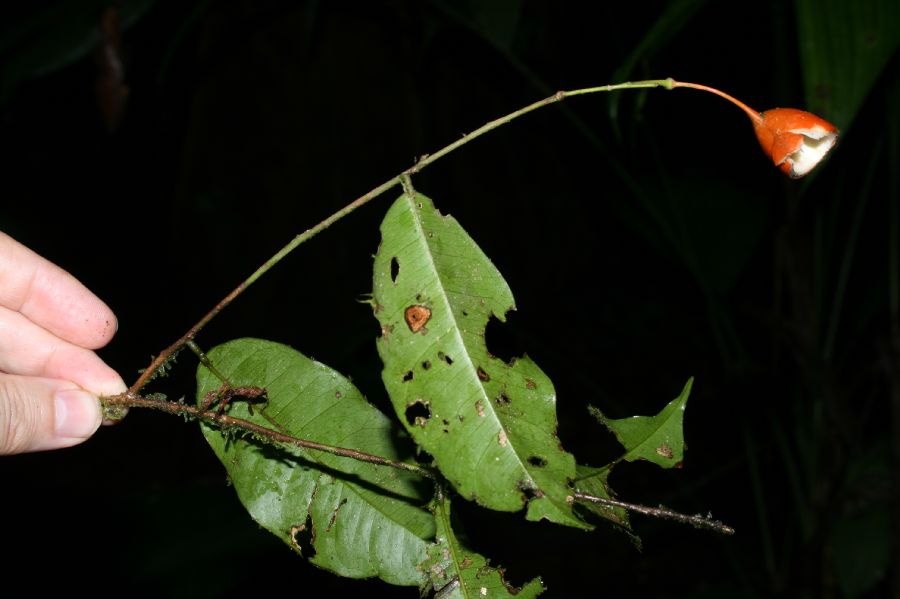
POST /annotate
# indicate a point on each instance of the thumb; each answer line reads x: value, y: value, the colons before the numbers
x: 38, y: 414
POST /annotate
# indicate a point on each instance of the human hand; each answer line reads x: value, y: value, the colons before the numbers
x: 50, y: 379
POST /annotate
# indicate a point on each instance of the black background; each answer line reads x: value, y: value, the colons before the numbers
x: 248, y: 122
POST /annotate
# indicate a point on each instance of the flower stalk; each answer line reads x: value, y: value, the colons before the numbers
x: 795, y: 140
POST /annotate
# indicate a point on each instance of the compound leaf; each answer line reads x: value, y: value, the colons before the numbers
x: 354, y: 518
x: 490, y: 426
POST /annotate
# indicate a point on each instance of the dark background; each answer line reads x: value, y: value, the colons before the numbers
x: 645, y: 236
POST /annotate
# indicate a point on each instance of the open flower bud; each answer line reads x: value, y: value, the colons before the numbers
x: 795, y: 140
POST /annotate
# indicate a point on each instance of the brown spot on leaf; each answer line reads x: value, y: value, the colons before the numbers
x: 665, y: 451
x: 417, y: 317
x: 530, y: 384
x: 479, y: 407
x: 482, y: 375
x: 334, y: 514
x: 501, y: 438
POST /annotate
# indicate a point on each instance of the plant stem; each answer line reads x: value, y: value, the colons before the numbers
x: 659, y: 512
x: 226, y: 422
x: 423, y: 162
x: 754, y: 116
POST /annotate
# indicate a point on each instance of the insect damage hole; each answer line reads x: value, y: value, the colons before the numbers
x: 537, y: 461
x: 408, y: 376
x: 530, y: 490
x: 303, y: 537
x: 504, y: 339
x: 417, y: 413
x: 444, y: 357
x: 395, y: 269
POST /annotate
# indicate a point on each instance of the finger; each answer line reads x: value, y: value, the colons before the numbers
x: 38, y: 414
x: 51, y: 297
x: 29, y: 350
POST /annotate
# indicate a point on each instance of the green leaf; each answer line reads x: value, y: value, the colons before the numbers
x: 454, y: 571
x: 490, y: 426
x: 658, y: 439
x: 356, y: 519
x: 844, y: 47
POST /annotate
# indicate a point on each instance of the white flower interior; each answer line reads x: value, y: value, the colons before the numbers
x: 816, y: 143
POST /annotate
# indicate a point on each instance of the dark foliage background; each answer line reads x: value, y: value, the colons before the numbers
x: 642, y: 248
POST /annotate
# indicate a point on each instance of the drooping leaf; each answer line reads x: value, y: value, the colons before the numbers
x: 658, y: 439
x: 490, y: 426
x: 454, y: 571
x: 354, y: 518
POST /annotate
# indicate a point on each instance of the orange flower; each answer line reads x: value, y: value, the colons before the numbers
x: 795, y: 140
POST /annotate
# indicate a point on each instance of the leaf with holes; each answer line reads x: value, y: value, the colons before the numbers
x: 454, y: 571
x: 658, y: 439
x: 490, y: 426
x: 354, y: 518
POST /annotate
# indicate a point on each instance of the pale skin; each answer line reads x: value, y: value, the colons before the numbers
x: 50, y: 377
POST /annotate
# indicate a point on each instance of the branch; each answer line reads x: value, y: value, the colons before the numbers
x: 423, y: 162
x: 696, y: 521
x: 266, y: 435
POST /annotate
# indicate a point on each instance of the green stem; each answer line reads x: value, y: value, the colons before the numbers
x: 423, y: 162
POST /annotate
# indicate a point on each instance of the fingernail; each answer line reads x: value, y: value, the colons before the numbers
x: 77, y: 413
